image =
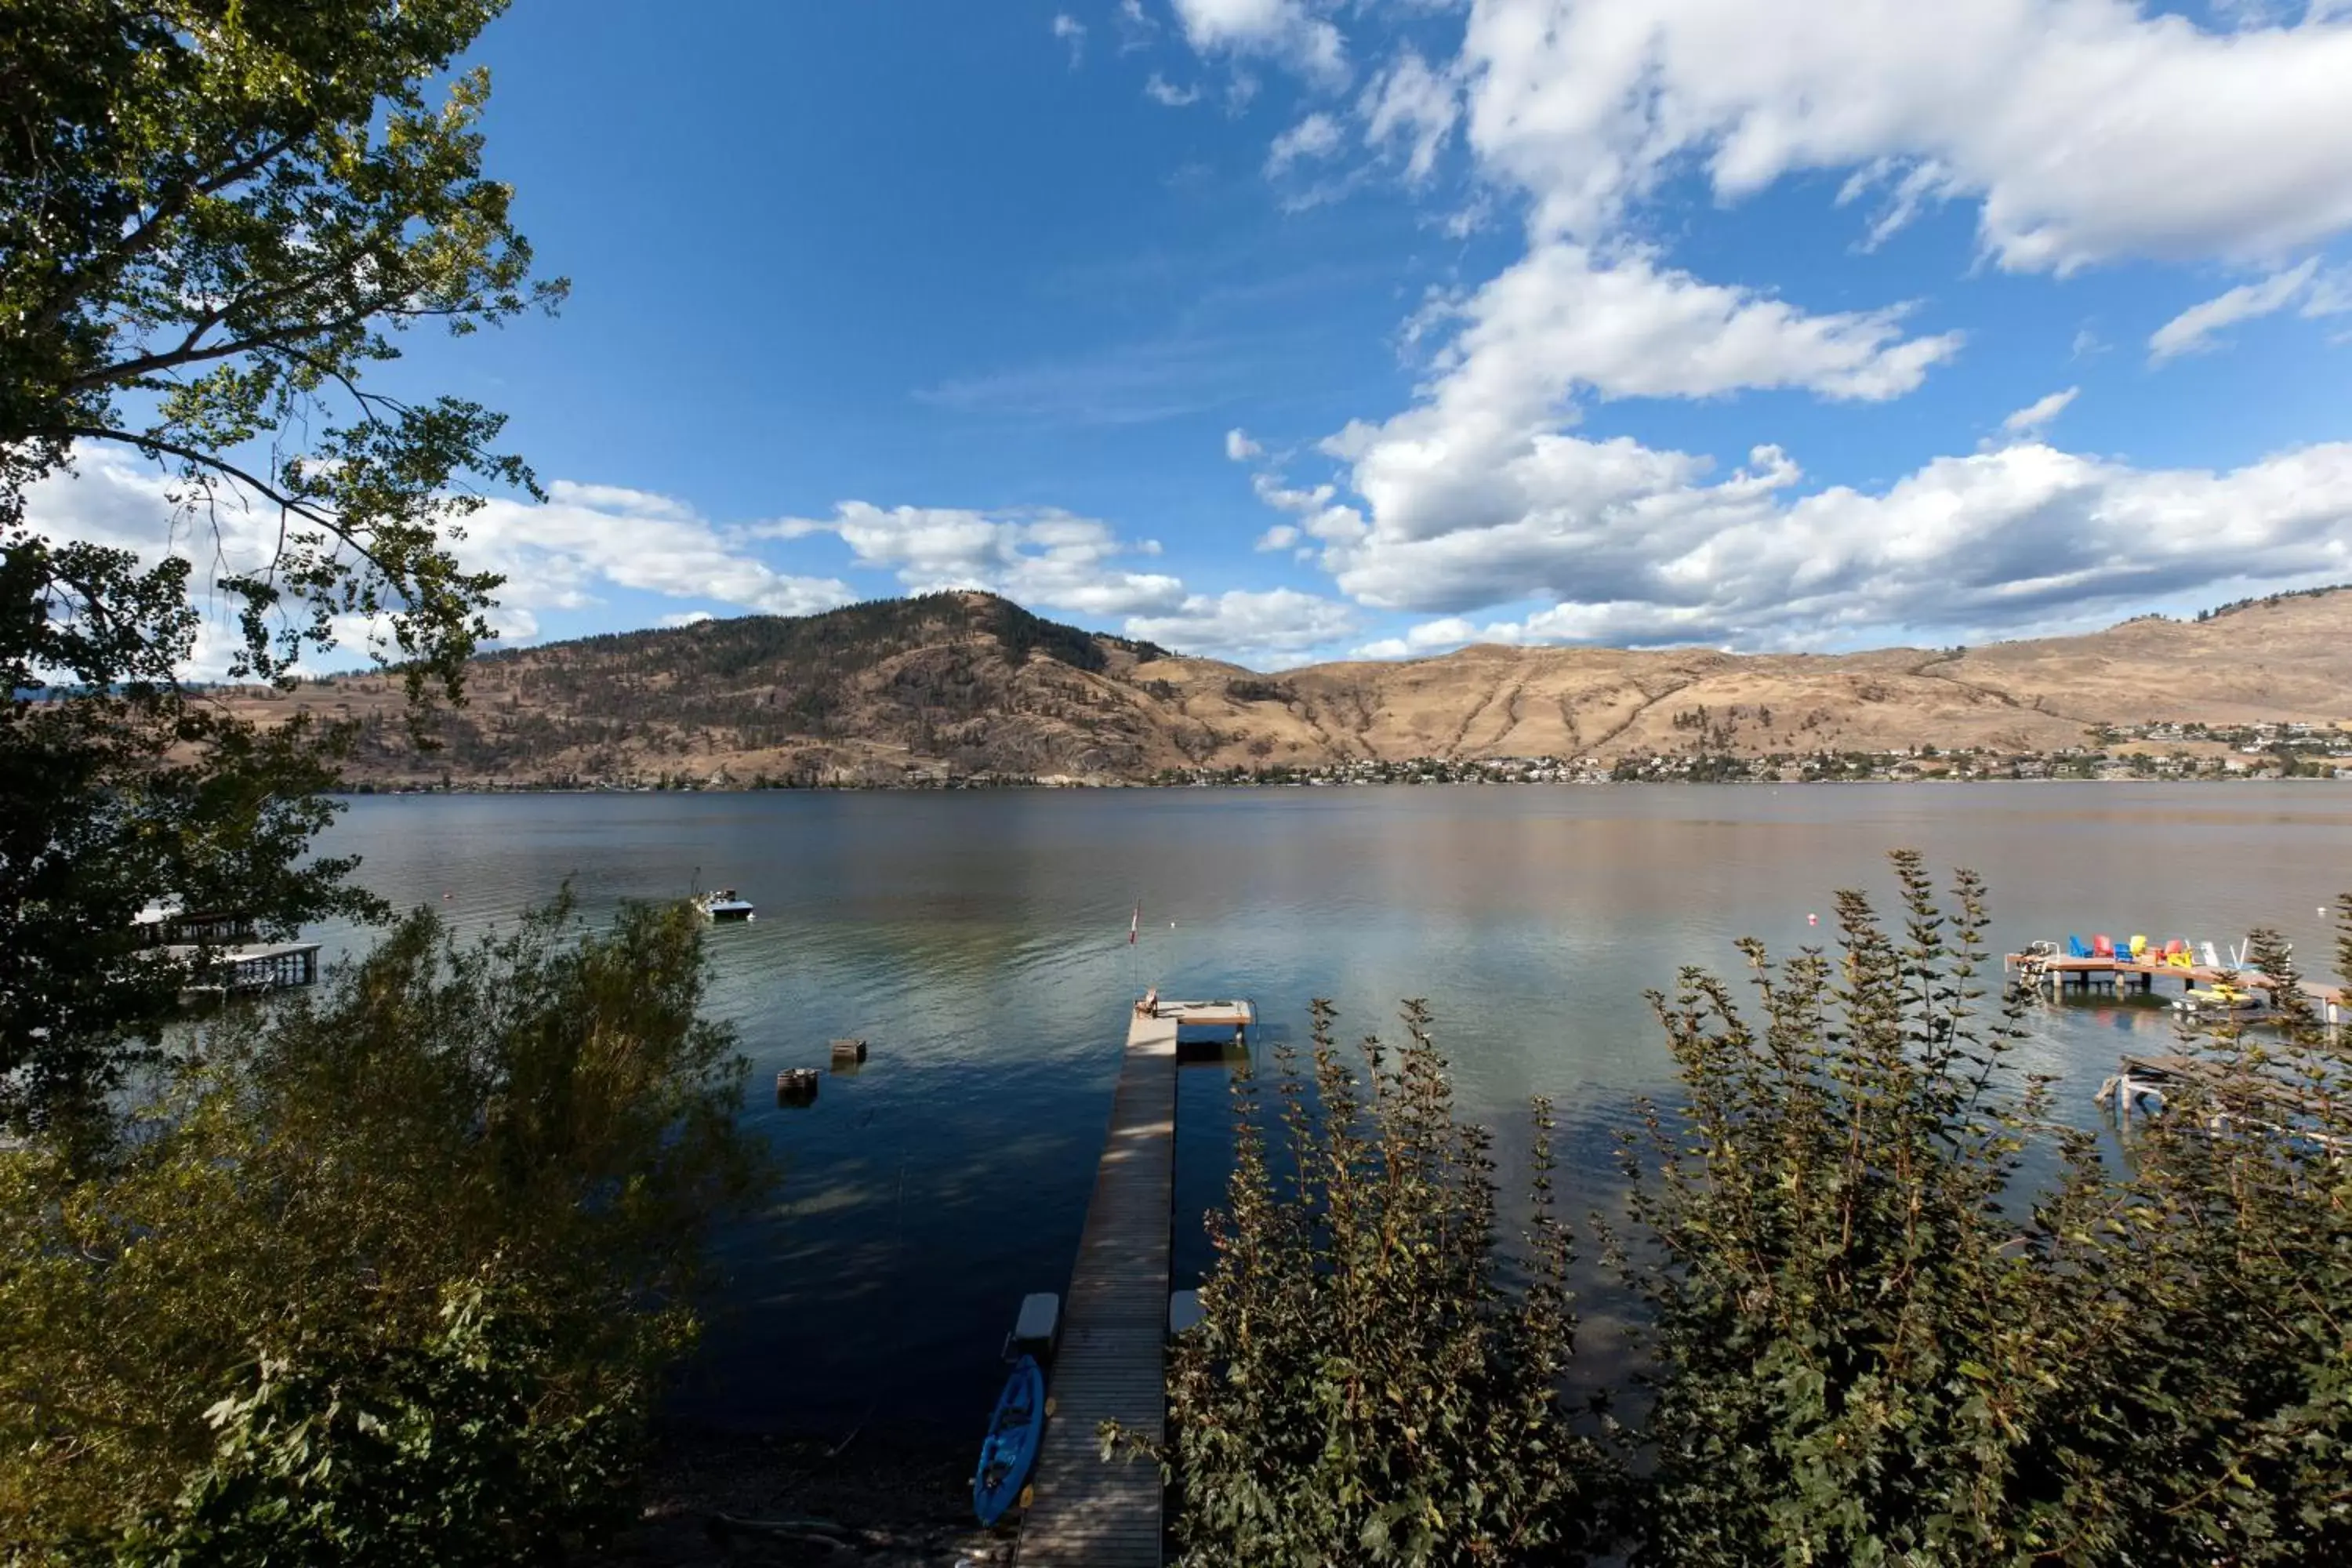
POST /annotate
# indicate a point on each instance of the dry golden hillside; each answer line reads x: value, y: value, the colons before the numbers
x: 968, y: 684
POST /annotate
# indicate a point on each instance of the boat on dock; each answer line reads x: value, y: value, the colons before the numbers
x: 1010, y: 1449
x: 726, y: 904
x: 2220, y: 997
x: 166, y: 923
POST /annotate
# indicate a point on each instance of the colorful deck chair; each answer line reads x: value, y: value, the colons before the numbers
x: 2138, y: 949
x: 2076, y: 947
x: 2103, y: 946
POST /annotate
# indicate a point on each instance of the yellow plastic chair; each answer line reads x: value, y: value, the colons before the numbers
x: 2139, y: 950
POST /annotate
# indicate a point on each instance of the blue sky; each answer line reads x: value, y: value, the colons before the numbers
x: 1279, y: 330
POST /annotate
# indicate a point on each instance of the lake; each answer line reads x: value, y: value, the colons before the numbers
x: 979, y: 941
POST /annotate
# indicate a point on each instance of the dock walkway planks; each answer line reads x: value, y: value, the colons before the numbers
x: 1106, y: 1514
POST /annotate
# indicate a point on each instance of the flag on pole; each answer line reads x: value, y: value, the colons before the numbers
x: 1134, y: 923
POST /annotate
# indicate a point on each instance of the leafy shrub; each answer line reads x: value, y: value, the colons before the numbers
x: 1854, y: 1341
x: 2226, y: 1434
x: 1363, y: 1387
x: 478, y: 1175
x: 1880, y: 1338
x: 1897, y: 1312
x: 445, y: 1452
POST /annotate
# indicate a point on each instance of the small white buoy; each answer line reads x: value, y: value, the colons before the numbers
x: 1812, y: 920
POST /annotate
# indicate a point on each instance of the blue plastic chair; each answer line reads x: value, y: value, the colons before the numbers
x: 2076, y: 947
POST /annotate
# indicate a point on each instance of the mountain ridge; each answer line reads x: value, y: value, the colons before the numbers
x: 967, y: 684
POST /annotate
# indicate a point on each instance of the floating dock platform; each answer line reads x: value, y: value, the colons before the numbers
x: 2329, y: 1001
x: 1111, y: 1365
x: 1235, y: 1015
x: 2303, y: 1114
x: 263, y: 967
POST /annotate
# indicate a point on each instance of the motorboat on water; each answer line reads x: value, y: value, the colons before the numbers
x: 726, y: 904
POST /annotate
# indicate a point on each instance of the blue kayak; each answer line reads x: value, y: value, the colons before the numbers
x: 1011, y: 1447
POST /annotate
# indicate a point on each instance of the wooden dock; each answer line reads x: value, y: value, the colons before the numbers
x: 1235, y: 1016
x: 1111, y: 1363
x: 2150, y: 1081
x: 266, y: 966
x: 2331, y: 1002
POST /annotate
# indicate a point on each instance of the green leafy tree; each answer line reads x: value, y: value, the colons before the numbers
x: 1363, y: 1386
x: 385, y: 1273
x: 215, y: 218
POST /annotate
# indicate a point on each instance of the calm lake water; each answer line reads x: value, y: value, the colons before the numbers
x: 979, y: 941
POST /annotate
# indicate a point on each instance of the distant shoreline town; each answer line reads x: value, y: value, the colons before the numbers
x: 2255, y: 751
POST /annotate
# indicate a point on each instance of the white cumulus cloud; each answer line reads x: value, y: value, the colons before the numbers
x: 1438, y: 636
x: 1316, y: 136
x: 1286, y: 31
x: 1413, y: 105
x: 1626, y: 325
x: 1276, y: 627
x: 1239, y: 448
x: 1481, y: 446
x: 1160, y: 91
x: 1073, y: 32
x: 587, y: 540
x: 2192, y: 331
x: 2030, y: 419
x: 589, y: 536
x: 1282, y: 498
x: 1052, y: 559
x: 2083, y: 130
x: 1136, y: 28
x: 1633, y: 544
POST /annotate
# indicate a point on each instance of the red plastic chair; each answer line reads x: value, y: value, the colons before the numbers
x: 2174, y: 947
x: 2103, y: 947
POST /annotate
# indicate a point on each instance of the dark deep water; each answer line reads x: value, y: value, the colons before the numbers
x: 979, y: 941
